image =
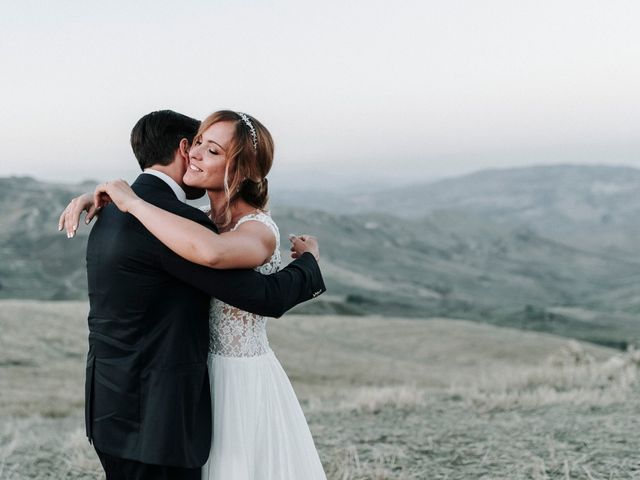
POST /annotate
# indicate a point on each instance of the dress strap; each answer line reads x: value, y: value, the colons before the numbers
x: 263, y: 218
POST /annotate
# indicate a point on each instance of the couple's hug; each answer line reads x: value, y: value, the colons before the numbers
x: 181, y: 382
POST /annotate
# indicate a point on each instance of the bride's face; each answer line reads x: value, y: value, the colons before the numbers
x: 208, y: 157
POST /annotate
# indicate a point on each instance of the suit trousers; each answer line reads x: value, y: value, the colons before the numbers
x: 124, y: 469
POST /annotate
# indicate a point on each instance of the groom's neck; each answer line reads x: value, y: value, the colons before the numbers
x: 171, y: 170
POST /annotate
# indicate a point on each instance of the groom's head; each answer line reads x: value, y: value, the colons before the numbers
x: 158, y: 136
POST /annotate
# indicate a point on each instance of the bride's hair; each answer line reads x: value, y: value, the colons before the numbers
x: 249, y: 160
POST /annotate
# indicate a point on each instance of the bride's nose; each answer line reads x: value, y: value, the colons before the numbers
x: 194, y: 153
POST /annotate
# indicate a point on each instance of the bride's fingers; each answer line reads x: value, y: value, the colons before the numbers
x: 73, y: 218
x: 69, y: 220
x: 103, y: 200
x: 69, y: 225
x: 90, y: 214
x: 98, y: 194
x: 61, y: 219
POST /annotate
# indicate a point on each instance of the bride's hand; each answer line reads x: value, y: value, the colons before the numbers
x: 117, y: 191
x: 70, y: 217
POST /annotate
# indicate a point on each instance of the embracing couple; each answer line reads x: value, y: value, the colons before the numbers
x: 181, y: 382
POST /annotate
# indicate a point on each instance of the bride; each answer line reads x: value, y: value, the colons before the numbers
x: 259, y: 429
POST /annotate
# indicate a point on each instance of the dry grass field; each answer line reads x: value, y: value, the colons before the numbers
x: 385, y: 398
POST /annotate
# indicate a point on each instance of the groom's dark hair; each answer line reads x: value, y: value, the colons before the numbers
x: 157, y: 136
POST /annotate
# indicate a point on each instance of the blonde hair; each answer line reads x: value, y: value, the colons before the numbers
x: 245, y: 174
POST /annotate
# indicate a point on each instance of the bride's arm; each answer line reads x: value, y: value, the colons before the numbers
x: 247, y: 247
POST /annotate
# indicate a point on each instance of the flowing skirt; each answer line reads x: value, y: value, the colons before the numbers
x: 259, y: 429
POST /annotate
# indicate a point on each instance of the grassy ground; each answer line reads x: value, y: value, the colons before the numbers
x: 385, y: 398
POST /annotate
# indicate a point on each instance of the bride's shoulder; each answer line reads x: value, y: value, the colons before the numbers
x: 261, y: 216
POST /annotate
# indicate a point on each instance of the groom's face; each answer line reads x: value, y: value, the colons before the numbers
x: 208, y: 157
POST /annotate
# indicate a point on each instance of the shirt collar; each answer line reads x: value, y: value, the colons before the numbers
x: 177, y: 189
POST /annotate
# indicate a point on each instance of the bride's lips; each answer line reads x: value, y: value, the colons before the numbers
x: 194, y: 168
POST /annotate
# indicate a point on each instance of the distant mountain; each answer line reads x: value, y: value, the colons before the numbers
x: 462, y: 265
x: 505, y: 247
x: 588, y: 206
x: 37, y: 261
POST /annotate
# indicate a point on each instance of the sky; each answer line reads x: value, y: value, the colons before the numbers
x: 353, y: 92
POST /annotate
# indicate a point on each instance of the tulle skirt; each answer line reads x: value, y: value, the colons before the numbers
x: 259, y: 429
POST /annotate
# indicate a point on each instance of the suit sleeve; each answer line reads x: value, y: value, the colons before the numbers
x: 267, y: 295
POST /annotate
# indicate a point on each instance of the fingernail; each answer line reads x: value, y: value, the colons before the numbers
x: 59, y: 228
x: 75, y: 227
x: 86, y: 222
x: 69, y: 235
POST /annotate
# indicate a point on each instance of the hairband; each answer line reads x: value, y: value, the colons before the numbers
x: 254, y: 135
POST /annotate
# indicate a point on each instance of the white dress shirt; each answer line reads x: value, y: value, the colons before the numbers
x: 177, y: 189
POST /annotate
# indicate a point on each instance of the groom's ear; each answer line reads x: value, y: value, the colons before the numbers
x: 184, y: 149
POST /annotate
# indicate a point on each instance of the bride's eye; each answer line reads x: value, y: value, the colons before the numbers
x: 213, y: 152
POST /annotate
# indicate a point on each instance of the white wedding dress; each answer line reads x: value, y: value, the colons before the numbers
x: 259, y: 429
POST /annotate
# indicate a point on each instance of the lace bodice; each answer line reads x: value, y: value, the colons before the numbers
x: 234, y: 332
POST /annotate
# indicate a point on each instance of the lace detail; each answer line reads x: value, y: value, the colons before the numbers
x: 234, y: 332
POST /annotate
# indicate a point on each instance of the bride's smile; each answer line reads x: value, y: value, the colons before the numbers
x: 208, y: 157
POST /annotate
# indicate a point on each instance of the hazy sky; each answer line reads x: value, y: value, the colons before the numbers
x: 390, y: 91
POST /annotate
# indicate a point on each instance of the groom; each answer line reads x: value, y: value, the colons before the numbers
x: 148, y: 405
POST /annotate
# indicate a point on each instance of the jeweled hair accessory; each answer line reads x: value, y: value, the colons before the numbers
x: 254, y: 135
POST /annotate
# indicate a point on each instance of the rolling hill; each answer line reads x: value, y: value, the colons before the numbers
x: 541, y: 248
x: 584, y: 205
